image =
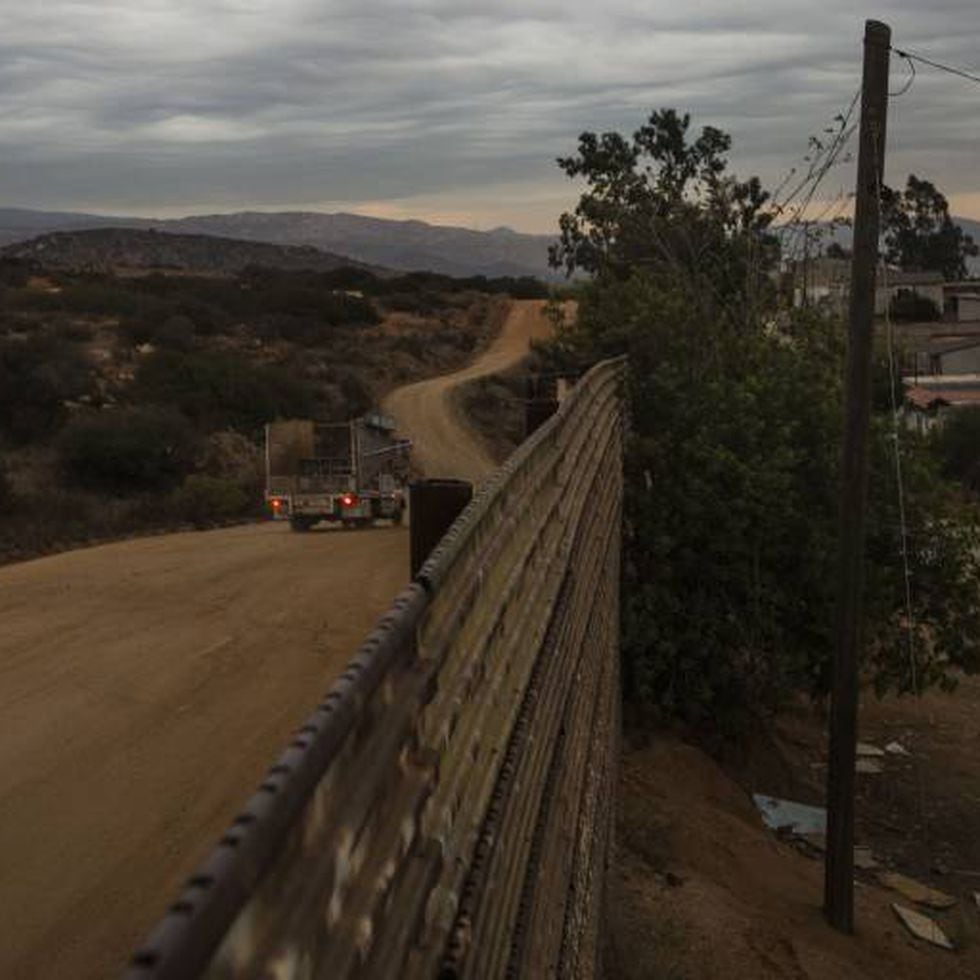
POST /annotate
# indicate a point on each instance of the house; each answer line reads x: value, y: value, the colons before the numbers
x: 929, y: 401
x: 821, y: 280
x: 961, y: 301
x: 942, y: 356
x: 893, y: 282
x: 827, y: 281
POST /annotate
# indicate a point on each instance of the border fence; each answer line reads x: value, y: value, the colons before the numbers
x: 447, y: 809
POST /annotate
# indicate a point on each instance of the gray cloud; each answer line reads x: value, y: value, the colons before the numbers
x: 453, y: 108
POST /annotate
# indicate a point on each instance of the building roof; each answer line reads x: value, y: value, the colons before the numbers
x: 925, y: 398
x: 887, y: 278
x: 948, y: 345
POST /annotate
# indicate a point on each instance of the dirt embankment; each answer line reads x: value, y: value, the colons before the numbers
x: 702, y: 891
x: 145, y: 686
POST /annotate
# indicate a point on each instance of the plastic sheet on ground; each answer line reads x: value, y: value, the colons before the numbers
x: 800, y: 818
x: 922, y: 926
x: 867, y: 766
x: 915, y: 891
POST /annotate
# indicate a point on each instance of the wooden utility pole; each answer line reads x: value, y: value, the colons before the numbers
x: 839, y: 873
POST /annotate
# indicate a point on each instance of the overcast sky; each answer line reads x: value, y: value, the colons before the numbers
x: 446, y: 110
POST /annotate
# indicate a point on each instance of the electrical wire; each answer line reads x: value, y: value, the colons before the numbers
x: 821, y: 164
x: 936, y: 64
x: 896, y: 436
x: 910, y: 628
x: 911, y: 78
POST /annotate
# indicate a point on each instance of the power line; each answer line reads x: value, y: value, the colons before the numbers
x: 911, y: 78
x: 794, y: 231
x: 936, y: 64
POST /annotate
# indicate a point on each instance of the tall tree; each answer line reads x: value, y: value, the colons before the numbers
x: 666, y: 203
x: 919, y: 233
x: 732, y: 467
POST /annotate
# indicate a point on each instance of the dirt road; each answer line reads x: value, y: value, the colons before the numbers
x: 146, y: 686
x: 443, y: 446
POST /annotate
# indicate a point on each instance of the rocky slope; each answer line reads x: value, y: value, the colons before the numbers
x: 107, y: 249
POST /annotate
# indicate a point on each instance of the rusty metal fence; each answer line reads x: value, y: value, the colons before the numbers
x: 446, y: 811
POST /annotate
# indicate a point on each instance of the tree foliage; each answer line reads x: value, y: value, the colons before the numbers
x: 221, y: 391
x: 957, y: 445
x: 127, y: 450
x: 732, y: 468
x: 38, y: 375
x: 919, y: 233
x: 666, y: 204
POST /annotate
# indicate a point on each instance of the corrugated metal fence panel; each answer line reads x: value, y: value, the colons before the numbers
x: 446, y: 810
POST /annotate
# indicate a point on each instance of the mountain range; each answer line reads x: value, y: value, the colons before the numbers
x: 397, y: 245
x: 402, y: 245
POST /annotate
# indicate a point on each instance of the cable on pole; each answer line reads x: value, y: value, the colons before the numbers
x: 909, y: 56
x: 911, y: 78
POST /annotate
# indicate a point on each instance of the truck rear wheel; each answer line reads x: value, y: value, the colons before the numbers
x: 300, y: 523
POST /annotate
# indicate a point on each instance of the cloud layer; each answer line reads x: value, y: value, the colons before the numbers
x: 444, y: 109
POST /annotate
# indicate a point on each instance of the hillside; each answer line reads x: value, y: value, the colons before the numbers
x: 137, y: 402
x: 107, y: 249
x: 404, y: 245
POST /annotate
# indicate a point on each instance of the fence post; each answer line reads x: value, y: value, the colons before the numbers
x: 540, y: 403
x: 433, y: 506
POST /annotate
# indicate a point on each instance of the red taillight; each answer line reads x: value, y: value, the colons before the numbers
x: 276, y: 504
x: 348, y: 500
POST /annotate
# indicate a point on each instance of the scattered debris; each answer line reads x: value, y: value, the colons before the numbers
x: 915, y: 891
x: 800, y: 818
x: 896, y: 748
x: 976, y: 899
x: 922, y: 926
x: 867, y: 766
x: 867, y: 749
x: 864, y: 860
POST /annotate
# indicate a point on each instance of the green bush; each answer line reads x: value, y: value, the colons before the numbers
x: 909, y: 306
x: 957, y: 445
x: 175, y: 332
x: 6, y: 487
x: 221, y: 391
x: 37, y: 376
x: 204, y: 499
x: 15, y: 272
x: 127, y: 450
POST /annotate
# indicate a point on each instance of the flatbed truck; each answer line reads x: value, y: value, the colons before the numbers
x: 350, y: 473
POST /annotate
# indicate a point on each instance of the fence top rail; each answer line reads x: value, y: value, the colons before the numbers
x: 436, y: 569
x: 185, y: 939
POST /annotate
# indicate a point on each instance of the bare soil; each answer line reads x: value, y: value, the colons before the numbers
x: 429, y: 414
x: 145, y: 687
x: 702, y: 890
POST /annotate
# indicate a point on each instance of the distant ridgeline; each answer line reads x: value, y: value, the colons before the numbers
x: 108, y: 249
x: 402, y: 245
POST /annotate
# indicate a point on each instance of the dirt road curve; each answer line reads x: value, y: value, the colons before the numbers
x: 442, y: 445
x: 146, y: 686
